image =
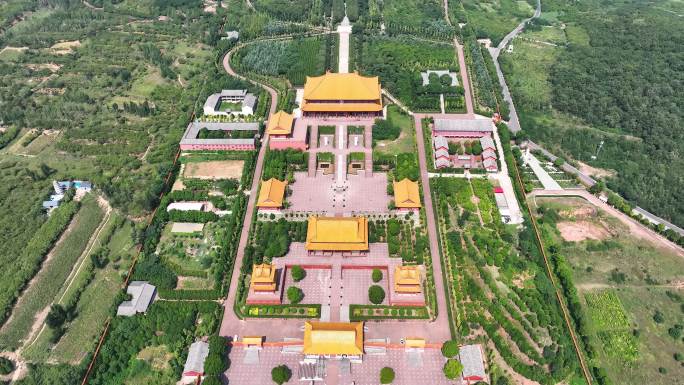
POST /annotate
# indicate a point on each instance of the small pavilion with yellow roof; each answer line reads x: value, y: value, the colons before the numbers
x: 342, y: 94
x: 406, y: 195
x: 280, y: 124
x: 285, y: 132
x: 333, y: 340
x: 263, y: 278
x: 331, y: 234
x: 271, y: 195
x: 407, y: 280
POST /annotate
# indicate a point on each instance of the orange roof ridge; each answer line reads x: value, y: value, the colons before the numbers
x: 271, y: 193
x: 342, y: 86
x: 280, y: 123
x: 406, y: 194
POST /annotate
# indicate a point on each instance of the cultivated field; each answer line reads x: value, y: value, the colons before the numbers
x: 43, y: 289
x: 631, y: 291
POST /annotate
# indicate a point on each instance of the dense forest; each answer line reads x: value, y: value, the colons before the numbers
x: 631, y: 78
x: 621, y: 72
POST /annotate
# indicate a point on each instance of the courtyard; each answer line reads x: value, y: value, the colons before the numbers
x: 363, y: 194
x: 411, y: 366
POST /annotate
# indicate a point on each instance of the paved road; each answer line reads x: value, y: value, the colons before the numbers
x: 546, y: 180
x: 464, y: 78
x: 635, y: 227
x: 513, y: 123
x: 442, y: 321
x: 230, y: 320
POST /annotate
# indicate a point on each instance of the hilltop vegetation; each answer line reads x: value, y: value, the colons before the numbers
x: 608, y: 72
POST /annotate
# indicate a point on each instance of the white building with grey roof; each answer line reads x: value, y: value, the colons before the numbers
x: 246, y: 101
x: 142, y: 293
x: 194, y: 364
x: 472, y: 359
x: 462, y: 128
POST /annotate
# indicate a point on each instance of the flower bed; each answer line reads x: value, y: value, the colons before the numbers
x: 375, y: 312
x: 282, y: 311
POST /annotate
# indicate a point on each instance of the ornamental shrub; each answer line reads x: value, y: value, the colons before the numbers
x: 298, y: 273
x: 386, y: 375
x: 452, y: 369
x: 450, y: 348
x: 376, y: 294
x: 377, y: 275
x: 294, y: 294
x: 281, y: 374
x: 6, y: 366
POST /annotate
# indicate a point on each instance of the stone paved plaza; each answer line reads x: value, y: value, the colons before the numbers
x: 365, y: 194
x: 316, y: 286
x: 410, y: 369
x: 355, y: 284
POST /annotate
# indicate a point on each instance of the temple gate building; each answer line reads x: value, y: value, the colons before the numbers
x: 337, y: 340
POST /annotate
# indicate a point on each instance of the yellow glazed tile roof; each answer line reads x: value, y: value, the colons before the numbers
x: 406, y: 194
x: 271, y: 193
x: 337, y: 234
x: 406, y: 279
x: 340, y: 86
x: 280, y: 123
x: 264, y: 273
x: 414, y: 342
x: 333, y: 338
x: 252, y: 340
x: 341, y: 107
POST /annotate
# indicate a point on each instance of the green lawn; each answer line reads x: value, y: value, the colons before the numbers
x: 491, y: 18
x: 227, y: 106
x: 188, y: 252
x: 406, y: 142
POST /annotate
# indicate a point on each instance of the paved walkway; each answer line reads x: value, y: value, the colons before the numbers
x: 546, y: 180
x: 442, y: 322
x: 506, y: 184
x: 464, y: 78
x: 343, y: 59
x: 230, y: 320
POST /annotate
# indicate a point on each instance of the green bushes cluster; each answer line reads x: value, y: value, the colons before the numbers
x: 387, y: 375
x: 295, y: 295
x: 376, y: 294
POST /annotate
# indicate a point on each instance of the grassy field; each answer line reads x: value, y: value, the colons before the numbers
x: 407, y: 138
x: 526, y: 70
x: 52, y: 275
x: 624, y: 282
x: 188, y: 252
x: 491, y: 19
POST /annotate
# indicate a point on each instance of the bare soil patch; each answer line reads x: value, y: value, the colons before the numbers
x: 216, y: 169
x: 595, y: 172
x: 65, y: 47
x: 49, y: 66
x: 15, y: 49
x: 582, y: 230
